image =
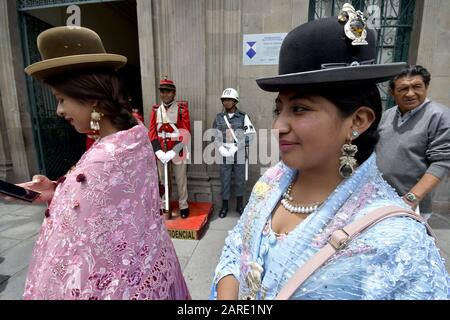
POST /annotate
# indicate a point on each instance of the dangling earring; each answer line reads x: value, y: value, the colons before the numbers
x: 348, y: 161
x: 95, y: 126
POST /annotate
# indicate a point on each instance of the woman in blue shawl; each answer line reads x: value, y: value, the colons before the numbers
x: 327, y: 112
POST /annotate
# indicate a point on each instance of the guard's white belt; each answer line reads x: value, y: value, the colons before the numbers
x: 228, y: 145
x: 169, y: 135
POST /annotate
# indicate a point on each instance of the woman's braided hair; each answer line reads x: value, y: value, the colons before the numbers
x: 348, y: 98
x: 104, y: 86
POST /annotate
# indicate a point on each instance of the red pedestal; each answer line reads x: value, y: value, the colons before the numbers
x: 193, y: 226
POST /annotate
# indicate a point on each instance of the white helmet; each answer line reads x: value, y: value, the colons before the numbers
x: 230, y: 93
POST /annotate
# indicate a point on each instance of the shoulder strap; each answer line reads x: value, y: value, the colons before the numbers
x: 339, y: 239
x: 181, y: 104
x: 225, y: 117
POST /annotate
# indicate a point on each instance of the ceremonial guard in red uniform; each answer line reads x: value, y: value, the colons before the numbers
x: 169, y: 133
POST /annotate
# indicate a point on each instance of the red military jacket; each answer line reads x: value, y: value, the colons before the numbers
x: 177, y: 132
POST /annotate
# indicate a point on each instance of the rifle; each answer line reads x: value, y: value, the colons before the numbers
x: 246, y: 161
x: 166, y: 180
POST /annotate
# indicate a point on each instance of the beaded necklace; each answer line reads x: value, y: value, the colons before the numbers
x: 295, y: 208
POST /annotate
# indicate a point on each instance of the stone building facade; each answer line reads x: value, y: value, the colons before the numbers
x: 198, y: 44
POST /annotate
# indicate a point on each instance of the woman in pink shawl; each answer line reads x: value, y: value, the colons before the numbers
x: 103, y: 236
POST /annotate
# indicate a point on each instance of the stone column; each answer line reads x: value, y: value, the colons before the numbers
x: 5, y: 158
x: 147, y: 56
x: 180, y: 50
x: 434, y: 54
x: 433, y: 51
x: 17, y: 127
x: 223, y: 51
x: 300, y: 10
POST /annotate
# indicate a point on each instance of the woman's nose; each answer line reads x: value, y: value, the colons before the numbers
x: 60, y: 110
x: 281, y: 124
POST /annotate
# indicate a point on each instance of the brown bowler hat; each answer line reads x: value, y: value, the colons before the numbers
x: 71, y: 48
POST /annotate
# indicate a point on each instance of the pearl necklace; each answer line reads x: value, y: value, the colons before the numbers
x: 294, y: 208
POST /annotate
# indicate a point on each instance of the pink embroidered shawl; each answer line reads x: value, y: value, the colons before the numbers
x: 104, y: 237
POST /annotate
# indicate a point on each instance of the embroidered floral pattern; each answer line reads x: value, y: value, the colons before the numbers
x: 253, y: 280
x: 105, y: 238
x: 261, y: 189
x: 345, y: 214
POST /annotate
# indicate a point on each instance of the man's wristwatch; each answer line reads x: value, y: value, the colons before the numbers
x: 411, y: 197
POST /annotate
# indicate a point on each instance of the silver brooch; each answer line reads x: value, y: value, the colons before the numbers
x: 355, y: 24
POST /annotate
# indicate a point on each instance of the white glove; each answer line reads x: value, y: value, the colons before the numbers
x: 224, y: 151
x: 161, y: 155
x: 170, y: 155
x: 232, y: 150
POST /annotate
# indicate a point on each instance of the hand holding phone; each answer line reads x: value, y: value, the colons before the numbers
x: 18, y: 192
x: 42, y: 185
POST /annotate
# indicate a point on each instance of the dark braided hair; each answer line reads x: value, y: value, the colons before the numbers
x: 104, y: 86
x: 348, y: 98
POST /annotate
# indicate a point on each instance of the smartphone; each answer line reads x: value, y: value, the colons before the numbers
x: 18, y: 192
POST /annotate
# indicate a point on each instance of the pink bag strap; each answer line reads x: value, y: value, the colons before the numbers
x: 339, y: 239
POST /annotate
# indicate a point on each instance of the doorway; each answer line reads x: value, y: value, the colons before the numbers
x: 58, y: 145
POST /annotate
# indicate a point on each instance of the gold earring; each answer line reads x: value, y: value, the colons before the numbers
x: 95, y: 125
x: 348, y: 161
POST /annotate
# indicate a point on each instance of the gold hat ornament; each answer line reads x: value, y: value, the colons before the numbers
x: 355, y: 24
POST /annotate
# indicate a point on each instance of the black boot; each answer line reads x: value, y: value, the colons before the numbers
x: 184, y: 213
x: 223, y: 212
x: 240, y: 205
x: 166, y: 213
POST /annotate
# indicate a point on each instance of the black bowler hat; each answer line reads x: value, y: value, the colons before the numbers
x: 320, y: 53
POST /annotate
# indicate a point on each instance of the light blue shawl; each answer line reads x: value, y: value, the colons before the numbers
x: 395, y: 259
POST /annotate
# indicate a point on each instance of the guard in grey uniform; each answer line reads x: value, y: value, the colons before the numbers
x: 232, y: 136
